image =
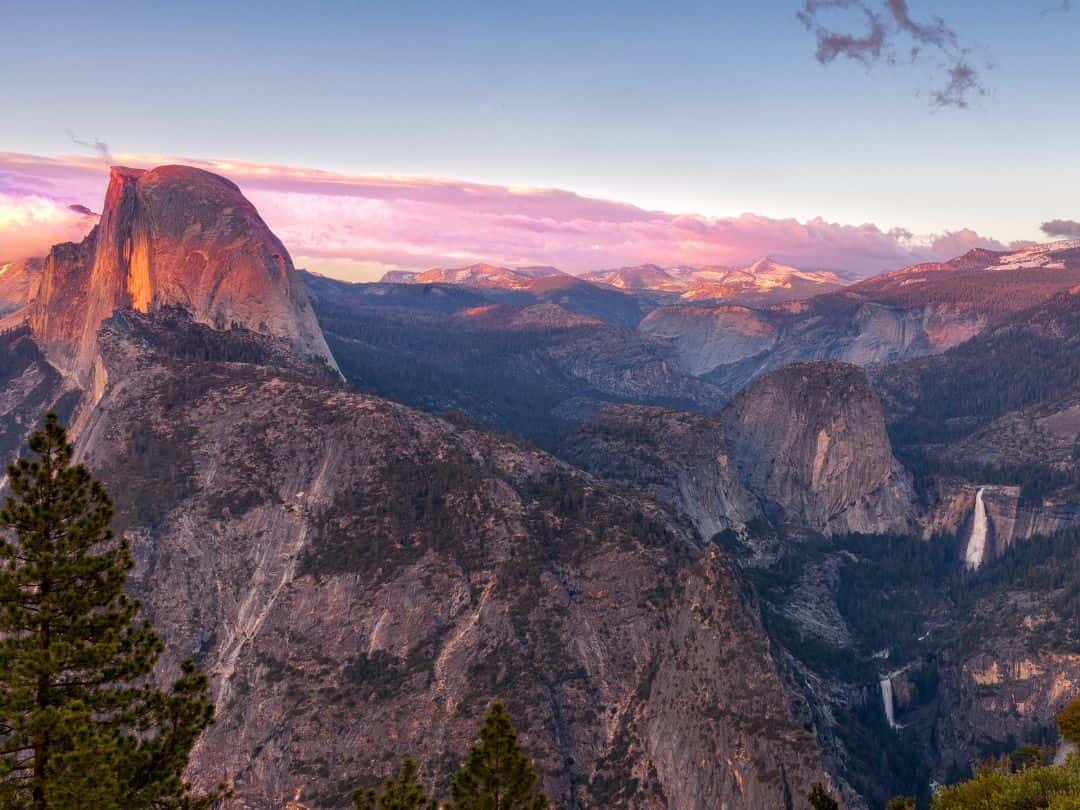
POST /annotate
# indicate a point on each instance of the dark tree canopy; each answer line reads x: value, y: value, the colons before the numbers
x: 81, y: 723
x: 820, y: 799
x: 404, y: 792
x: 497, y: 775
x: 1068, y: 721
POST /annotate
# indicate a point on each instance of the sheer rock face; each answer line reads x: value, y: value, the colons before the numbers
x: 57, y: 316
x: 362, y: 579
x: 810, y: 442
x: 707, y: 337
x: 1009, y: 517
x: 172, y: 236
x: 830, y: 327
x: 1003, y: 692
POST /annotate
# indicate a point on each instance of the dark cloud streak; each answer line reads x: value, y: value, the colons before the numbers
x: 888, y: 24
x: 1065, y: 7
x: 100, y: 147
x: 1062, y: 228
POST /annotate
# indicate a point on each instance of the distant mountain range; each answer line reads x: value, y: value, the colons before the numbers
x: 765, y: 281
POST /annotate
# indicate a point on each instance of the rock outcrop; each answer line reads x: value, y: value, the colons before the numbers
x: 172, y: 236
x: 29, y: 388
x: 684, y: 459
x: 810, y: 442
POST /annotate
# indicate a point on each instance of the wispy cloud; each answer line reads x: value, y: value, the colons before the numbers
x: 357, y: 225
x: 100, y: 148
x: 871, y: 31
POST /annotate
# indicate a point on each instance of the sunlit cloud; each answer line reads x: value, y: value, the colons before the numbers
x: 356, y: 226
x: 31, y: 224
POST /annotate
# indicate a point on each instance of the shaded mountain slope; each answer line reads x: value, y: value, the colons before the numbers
x: 361, y: 579
x: 531, y: 370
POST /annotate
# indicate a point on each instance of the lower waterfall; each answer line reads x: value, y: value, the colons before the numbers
x: 976, y: 546
x: 887, y: 702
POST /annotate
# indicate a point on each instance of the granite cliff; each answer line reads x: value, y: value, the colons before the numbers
x: 171, y: 236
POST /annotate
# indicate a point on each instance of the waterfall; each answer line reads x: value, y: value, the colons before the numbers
x: 1064, y: 750
x: 976, y: 547
x: 887, y: 702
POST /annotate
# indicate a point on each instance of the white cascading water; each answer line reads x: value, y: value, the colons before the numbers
x: 1063, y: 752
x: 887, y: 702
x: 976, y: 547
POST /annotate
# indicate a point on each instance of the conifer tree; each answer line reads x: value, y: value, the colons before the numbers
x: 402, y: 793
x: 81, y: 723
x: 1068, y: 722
x: 820, y: 798
x: 497, y: 775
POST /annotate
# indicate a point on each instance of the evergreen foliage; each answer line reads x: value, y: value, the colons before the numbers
x: 1068, y: 722
x: 401, y: 793
x: 81, y: 723
x: 901, y: 803
x: 1036, y: 788
x: 821, y: 799
x: 496, y: 775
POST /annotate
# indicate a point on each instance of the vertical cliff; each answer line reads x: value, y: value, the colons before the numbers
x: 171, y: 236
x: 810, y: 442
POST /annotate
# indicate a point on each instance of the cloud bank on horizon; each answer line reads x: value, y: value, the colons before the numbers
x: 358, y: 226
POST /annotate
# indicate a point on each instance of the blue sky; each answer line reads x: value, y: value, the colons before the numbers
x: 715, y: 108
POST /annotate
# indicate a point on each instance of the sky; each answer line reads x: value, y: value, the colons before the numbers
x: 677, y: 132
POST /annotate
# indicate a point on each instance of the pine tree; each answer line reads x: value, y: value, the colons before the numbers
x: 81, y: 723
x: 1068, y: 722
x: 403, y: 793
x: 820, y: 799
x: 497, y: 775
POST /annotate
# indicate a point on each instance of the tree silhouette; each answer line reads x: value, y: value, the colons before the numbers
x: 81, y: 723
x: 497, y: 775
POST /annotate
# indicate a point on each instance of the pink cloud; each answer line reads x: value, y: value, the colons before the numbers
x: 31, y: 223
x: 352, y: 225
